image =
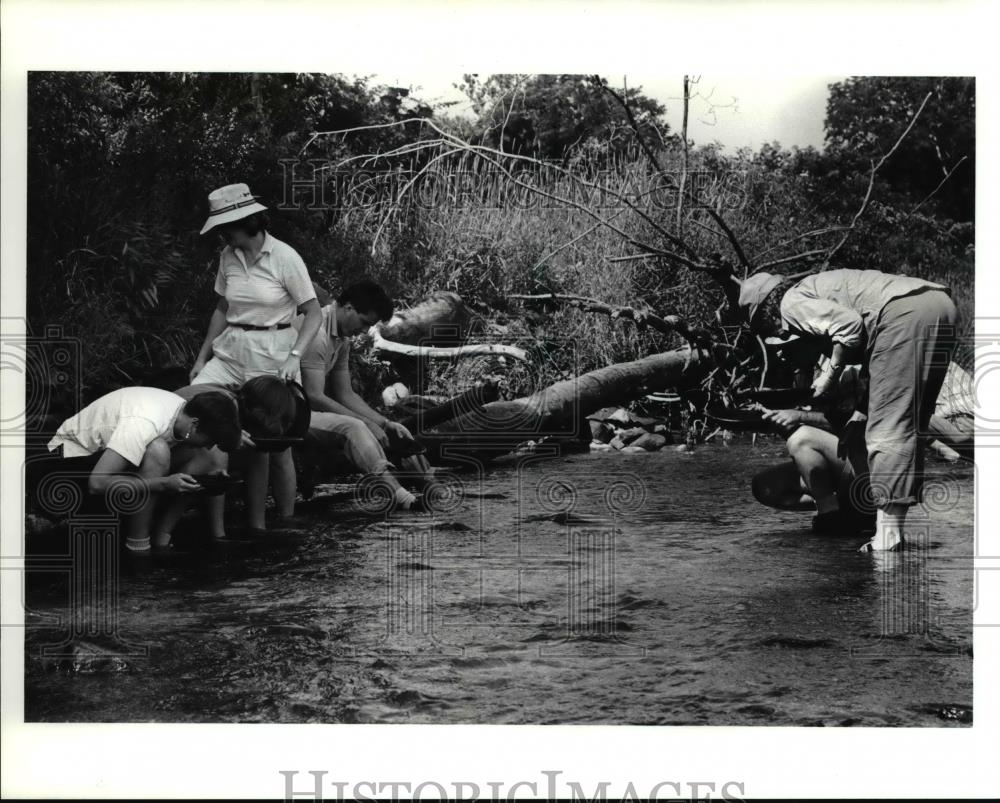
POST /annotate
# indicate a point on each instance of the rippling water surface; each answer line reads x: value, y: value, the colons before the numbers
x: 602, y: 589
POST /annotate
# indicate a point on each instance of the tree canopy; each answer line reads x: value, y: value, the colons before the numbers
x: 552, y: 116
x: 120, y: 164
x: 864, y: 116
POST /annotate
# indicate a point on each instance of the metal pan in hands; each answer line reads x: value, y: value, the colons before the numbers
x: 216, y: 484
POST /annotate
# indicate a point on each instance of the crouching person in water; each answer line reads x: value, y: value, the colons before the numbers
x: 902, y: 331
x: 135, y: 436
x: 829, y: 473
x: 343, y: 420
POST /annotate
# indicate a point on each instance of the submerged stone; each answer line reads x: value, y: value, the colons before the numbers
x: 650, y: 442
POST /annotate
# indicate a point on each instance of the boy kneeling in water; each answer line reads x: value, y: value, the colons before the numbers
x: 135, y: 437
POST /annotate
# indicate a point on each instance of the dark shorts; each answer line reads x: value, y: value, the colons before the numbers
x: 51, y: 480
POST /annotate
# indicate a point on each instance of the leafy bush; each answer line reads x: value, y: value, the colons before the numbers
x: 120, y: 164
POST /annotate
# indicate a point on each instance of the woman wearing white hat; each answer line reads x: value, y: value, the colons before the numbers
x: 262, y: 283
x: 902, y: 329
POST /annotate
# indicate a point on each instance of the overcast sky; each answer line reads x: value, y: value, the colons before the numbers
x: 735, y: 110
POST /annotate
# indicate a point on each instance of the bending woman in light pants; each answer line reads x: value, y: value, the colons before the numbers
x: 261, y: 283
x: 902, y: 330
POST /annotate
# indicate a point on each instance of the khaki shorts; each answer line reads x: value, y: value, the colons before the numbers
x: 241, y: 354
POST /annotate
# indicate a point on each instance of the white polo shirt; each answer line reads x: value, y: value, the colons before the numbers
x: 268, y: 291
x: 125, y: 421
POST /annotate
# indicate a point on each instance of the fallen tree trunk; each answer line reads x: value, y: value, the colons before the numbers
x: 665, y: 325
x: 441, y: 320
x: 379, y: 343
x: 559, y: 410
x: 424, y: 419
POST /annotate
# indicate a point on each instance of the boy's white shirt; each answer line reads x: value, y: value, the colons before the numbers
x: 125, y: 421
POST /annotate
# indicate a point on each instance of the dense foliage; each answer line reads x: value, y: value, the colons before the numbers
x: 120, y: 164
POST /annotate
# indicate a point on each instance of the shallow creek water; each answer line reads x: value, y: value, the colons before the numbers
x: 599, y: 588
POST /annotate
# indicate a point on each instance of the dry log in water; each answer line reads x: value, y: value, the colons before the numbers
x: 425, y: 419
x: 559, y: 409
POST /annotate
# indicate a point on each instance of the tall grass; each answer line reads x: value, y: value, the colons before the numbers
x: 487, y: 239
x: 132, y: 281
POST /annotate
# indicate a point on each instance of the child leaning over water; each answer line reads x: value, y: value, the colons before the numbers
x: 267, y: 407
x: 148, y: 438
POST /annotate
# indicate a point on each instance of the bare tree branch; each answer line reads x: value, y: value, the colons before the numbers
x: 939, y: 186
x: 871, y: 184
x: 632, y: 123
x: 804, y: 236
x: 587, y: 211
x: 735, y: 243
x: 737, y: 248
x: 794, y: 258
x: 665, y: 325
x: 682, y: 184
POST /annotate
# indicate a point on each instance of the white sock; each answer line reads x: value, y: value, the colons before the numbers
x: 888, y: 527
x: 404, y: 498
x: 137, y: 544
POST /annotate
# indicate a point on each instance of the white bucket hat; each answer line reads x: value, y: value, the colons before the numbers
x: 229, y: 203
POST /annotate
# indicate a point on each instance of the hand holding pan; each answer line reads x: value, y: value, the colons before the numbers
x: 216, y: 484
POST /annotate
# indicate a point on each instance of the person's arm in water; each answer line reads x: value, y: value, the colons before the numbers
x: 215, y: 327
x: 310, y: 326
x: 112, y: 468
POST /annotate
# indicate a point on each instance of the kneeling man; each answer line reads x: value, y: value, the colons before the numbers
x: 141, y: 436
